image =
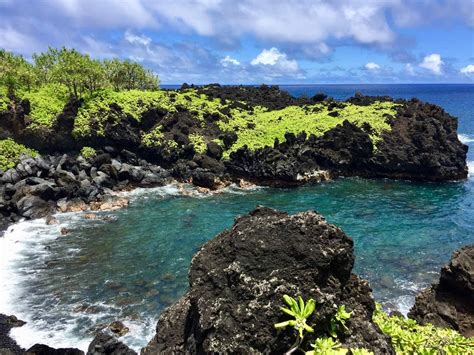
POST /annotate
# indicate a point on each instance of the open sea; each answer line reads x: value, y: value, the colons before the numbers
x: 131, y: 269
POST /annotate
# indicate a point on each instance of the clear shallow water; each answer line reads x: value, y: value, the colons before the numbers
x: 134, y: 267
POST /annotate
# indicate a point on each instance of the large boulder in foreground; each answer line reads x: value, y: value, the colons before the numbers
x: 237, y: 280
x: 450, y: 303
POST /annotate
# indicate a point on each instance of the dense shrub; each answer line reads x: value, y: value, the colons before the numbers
x: 88, y: 152
x: 10, y: 153
x: 408, y: 337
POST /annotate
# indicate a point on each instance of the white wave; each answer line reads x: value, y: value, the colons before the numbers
x: 465, y: 138
x: 470, y: 168
x: 404, y: 303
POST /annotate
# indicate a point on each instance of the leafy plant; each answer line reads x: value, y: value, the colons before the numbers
x: 88, y: 152
x: 339, y: 319
x: 326, y: 346
x: 409, y: 337
x: 10, y: 153
x: 300, y: 311
x: 198, y: 142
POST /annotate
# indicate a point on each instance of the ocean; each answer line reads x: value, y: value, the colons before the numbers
x: 131, y: 269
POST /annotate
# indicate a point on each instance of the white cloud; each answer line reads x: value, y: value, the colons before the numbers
x: 409, y: 69
x: 137, y: 39
x: 372, y: 66
x: 228, y: 61
x: 273, y: 57
x: 433, y: 62
x: 469, y: 69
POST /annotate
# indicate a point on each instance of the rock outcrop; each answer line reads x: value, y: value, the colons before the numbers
x: 237, y: 280
x: 422, y: 145
x: 450, y: 302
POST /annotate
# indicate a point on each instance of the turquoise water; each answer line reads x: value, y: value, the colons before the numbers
x: 135, y: 266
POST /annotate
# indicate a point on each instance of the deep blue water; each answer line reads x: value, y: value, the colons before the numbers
x: 131, y: 269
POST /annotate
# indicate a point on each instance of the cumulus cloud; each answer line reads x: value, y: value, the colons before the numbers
x: 433, y: 63
x: 372, y: 66
x: 229, y: 61
x: 274, y: 57
x: 468, y: 69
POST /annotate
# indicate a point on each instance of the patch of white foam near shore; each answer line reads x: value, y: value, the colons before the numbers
x: 470, y: 167
x: 26, y: 242
x: 465, y: 138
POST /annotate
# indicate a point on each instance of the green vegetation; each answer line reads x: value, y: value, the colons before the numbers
x: 88, y: 152
x: 154, y: 138
x: 408, y: 337
x: 46, y: 102
x: 300, y: 311
x: 111, y: 90
x: 198, y: 142
x: 339, y: 320
x: 10, y: 153
x: 259, y: 128
x: 97, y: 109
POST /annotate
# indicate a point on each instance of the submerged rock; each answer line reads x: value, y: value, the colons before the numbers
x: 237, y: 280
x: 450, y: 302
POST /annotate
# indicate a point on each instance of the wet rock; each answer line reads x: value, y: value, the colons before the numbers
x: 41, y: 349
x: 31, y: 207
x: 449, y: 303
x: 109, y: 203
x: 107, y: 344
x: 237, y: 280
x: 51, y: 220
x: 204, y: 178
x: 118, y: 328
x: 7, y: 344
x: 64, y: 231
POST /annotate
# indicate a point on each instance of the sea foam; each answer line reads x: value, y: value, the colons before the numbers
x: 465, y: 138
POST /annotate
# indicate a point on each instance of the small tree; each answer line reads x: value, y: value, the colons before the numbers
x: 15, y: 72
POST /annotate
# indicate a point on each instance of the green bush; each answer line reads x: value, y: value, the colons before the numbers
x: 46, y: 103
x: 10, y: 153
x: 198, y: 142
x: 260, y: 127
x: 408, y: 337
x: 4, y: 100
x: 88, y: 152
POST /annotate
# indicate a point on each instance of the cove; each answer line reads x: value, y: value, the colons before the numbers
x: 133, y: 267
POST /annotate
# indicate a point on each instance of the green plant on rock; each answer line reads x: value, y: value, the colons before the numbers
x: 153, y: 138
x: 88, y: 152
x: 327, y: 346
x: 198, y: 142
x: 46, y: 102
x: 338, y: 320
x: 300, y: 311
x: 10, y: 153
x: 409, y: 337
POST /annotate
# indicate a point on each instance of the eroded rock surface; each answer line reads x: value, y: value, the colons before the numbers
x: 237, y: 281
x: 450, y: 302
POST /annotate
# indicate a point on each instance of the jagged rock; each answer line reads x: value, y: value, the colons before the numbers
x: 118, y: 328
x: 104, y: 344
x: 41, y: 349
x: 237, y: 280
x: 204, y: 179
x: 8, y: 345
x: 450, y: 302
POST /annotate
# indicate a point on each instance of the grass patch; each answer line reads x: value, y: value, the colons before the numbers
x: 10, y: 153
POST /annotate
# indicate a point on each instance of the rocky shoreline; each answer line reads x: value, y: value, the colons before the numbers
x: 422, y: 145
x: 236, y: 284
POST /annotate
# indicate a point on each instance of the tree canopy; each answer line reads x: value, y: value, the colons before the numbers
x: 78, y: 72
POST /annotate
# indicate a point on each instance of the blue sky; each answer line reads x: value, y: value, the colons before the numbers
x: 256, y: 41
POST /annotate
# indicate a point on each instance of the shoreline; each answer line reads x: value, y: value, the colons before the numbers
x: 133, y: 195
